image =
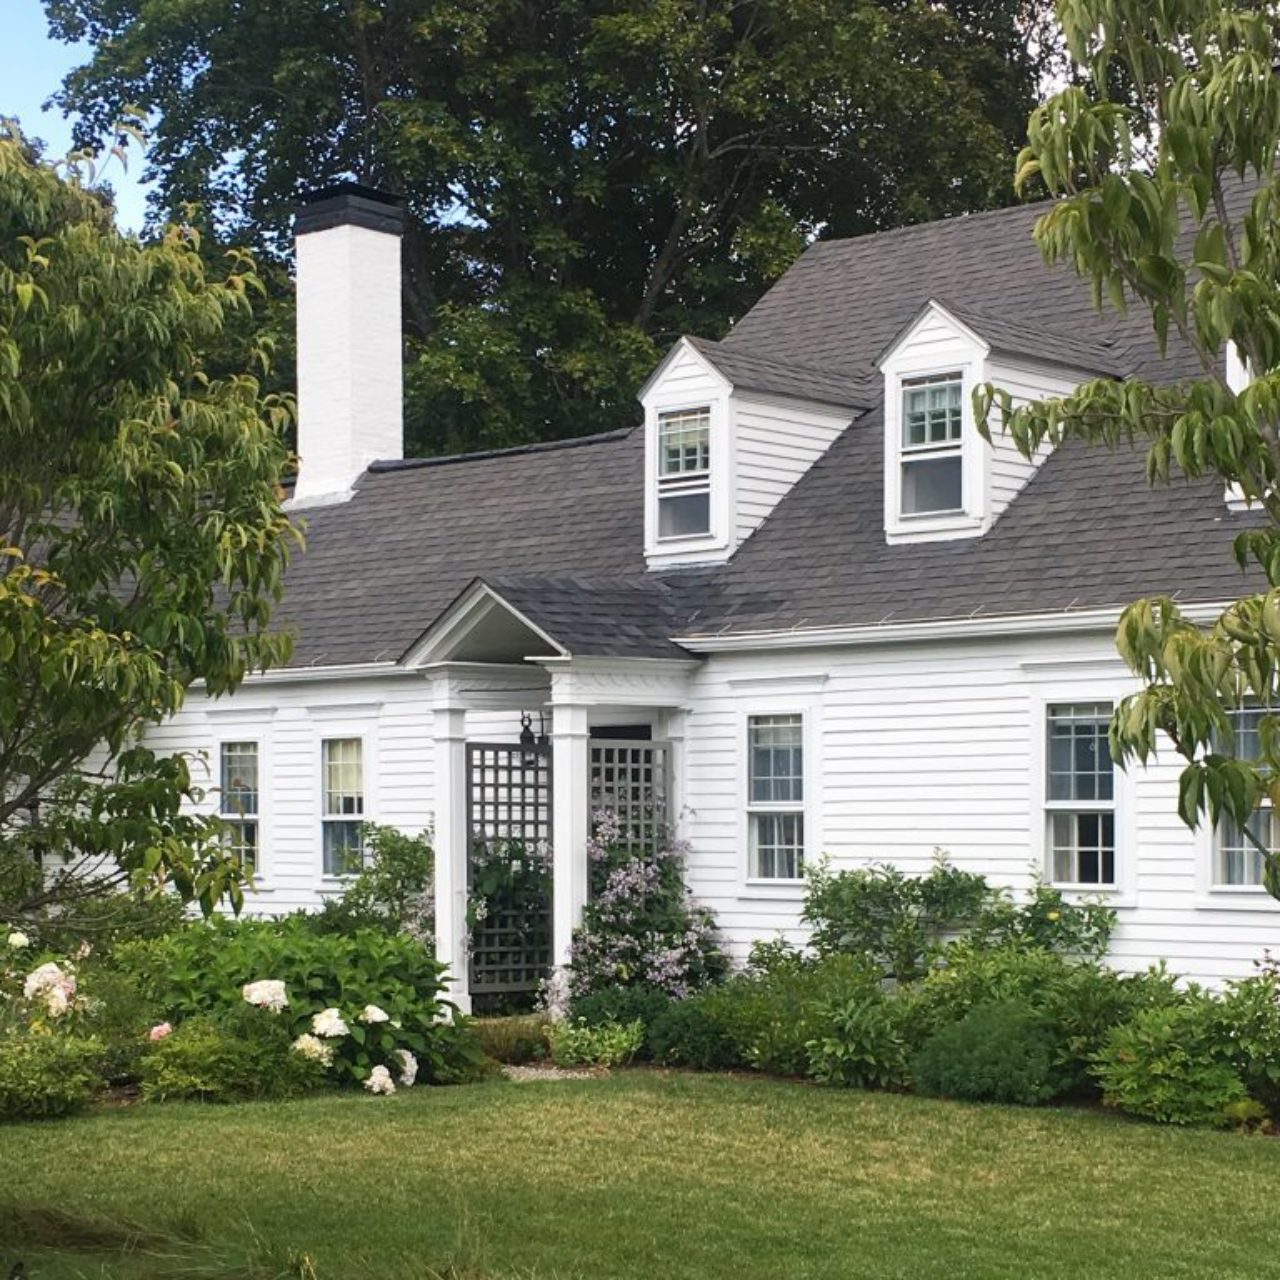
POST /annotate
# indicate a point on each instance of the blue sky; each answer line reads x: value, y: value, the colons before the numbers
x: 32, y: 65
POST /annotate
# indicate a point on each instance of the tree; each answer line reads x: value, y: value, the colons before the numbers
x: 1187, y: 225
x: 587, y: 179
x: 142, y: 541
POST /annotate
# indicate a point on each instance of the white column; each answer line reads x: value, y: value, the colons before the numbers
x: 450, y: 732
x: 570, y: 744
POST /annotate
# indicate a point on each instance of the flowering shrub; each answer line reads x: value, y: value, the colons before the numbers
x: 366, y: 997
x: 394, y: 889
x: 641, y: 926
x: 235, y: 1054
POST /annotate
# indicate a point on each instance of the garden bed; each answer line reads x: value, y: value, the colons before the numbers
x: 636, y: 1174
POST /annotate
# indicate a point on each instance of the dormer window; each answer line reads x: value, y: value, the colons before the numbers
x: 932, y: 445
x: 684, y: 473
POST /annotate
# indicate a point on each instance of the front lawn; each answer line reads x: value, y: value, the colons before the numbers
x: 643, y: 1175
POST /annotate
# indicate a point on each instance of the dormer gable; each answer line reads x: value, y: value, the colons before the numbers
x: 727, y: 434
x: 941, y: 479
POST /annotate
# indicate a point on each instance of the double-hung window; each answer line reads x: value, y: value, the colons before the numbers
x: 932, y: 445
x: 238, y: 800
x: 775, y: 796
x: 1080, y: 795
x: 684, y: 473
x: 342, y: 808
x: 1239, y: 860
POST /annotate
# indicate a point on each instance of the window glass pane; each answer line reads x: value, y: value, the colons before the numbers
x: 684, y: 515
x: 343, y: 848
x: 684, y: 442
x: 932, y: 484
x: 1079, y: 755
x: 776, y: 764
x: 238, y: 791
x: 1246, y: 740
x: 343, y: 773
x: 1239, y: 860
x: 777, y: 845
x: 242, y: 841
x: 1083, y: 847
x: 932, y: 412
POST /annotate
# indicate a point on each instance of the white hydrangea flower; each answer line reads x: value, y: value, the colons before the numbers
x: 314, y: 1048
x: 17, y: 940
x: 56, y: 1002
x: 49, y: 977
x: 267, y: 994
x: 380, y: 1081
x: 408, y: 1067
x: 329, y: 1023
x: 371, y: 1013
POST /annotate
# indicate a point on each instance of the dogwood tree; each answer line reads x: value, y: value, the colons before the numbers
x: 1150, y: 212
x: 142, y: 541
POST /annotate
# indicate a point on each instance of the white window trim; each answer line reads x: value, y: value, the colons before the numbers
x: 249, y: 730
x: 1124, y: 892
x: 339, y: 722
x: 703, y: 546
x: 951, y: 524
x: 1211, y: 896
x: 780, y: 704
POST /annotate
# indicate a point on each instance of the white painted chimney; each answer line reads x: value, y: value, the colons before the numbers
x: 350, y: 383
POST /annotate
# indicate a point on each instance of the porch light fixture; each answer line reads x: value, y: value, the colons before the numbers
x: 528, y: 742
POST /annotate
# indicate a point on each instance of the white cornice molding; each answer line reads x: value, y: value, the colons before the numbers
x: 302, y: 675
x: 1079, y: 621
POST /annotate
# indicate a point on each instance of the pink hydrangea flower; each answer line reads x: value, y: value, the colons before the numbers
x: 159, y: 1031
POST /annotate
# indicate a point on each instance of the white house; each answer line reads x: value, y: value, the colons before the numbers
x: 802, y: 604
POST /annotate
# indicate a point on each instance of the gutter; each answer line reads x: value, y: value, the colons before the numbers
x: 1069, y: 622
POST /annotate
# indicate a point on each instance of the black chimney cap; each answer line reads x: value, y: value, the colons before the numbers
x: 349, y: 204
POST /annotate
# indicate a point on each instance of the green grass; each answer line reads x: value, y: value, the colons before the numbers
x: 639, y: 1175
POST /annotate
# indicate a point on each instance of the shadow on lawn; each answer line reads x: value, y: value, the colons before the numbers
x: 38, y: 1240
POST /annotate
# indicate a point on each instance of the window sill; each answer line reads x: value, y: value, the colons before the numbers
x: 330, y: 883
x: 773, y: 890
x: 1237, y: 897
x: 927, y: 528
x: 1117, y: 896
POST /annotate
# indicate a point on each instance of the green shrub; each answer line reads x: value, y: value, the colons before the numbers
x: 1171, y: 1064
x: 514, y: 1040
x: 763, y: 1018
x: 102, y: 923
x: 1000, y: 1052
x: 611, y: 1044
x: 119, y: 1014
x: 46, y: 1074
x: 241, y: 1053
x: 897, y: 921
x: 622, y: 1004
x: 392, y: 890
x: 204, y: 968
x: 861, y: 1044
x: 688, y: 1033
x: 1247, y: 1026
x: 906, y: 924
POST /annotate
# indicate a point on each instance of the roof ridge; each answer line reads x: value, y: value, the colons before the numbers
x: 948, y: 220
x: 540, y: 446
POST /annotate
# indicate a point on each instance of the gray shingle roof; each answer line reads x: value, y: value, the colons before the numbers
x: 750, y: 372
x: 558, y: 529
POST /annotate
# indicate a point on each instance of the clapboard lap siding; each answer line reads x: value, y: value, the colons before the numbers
x: 936, y: 745
x: 775, y: 443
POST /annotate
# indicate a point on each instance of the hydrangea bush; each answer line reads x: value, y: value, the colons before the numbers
x: 641, y: 926
x: 349, y: 1003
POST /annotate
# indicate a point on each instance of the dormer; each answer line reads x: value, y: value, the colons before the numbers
x: 941, y: 479
x: 727, y: 434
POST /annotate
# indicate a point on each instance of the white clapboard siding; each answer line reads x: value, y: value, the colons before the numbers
x: 1007, y: 469
x: 775, y: 443
x: 936, y: 745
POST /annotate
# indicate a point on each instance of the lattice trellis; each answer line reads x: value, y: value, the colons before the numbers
x: 630, y: 779
x: 509, y: 798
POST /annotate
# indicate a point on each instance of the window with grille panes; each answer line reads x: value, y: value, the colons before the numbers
x: 684, y: 473
x: 1237, y: 859
x: 342, y: 804
x: 775, y: 796
x: 932, y: 446
x: 238, y: 800
x: 1080, y: 806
